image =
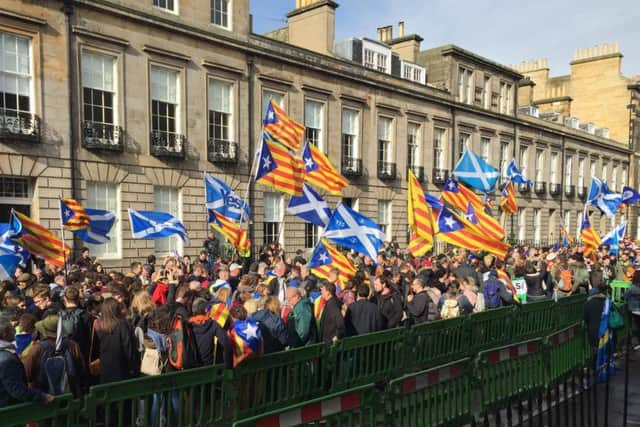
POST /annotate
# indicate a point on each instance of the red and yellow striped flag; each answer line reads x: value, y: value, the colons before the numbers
x: 232, y: 231
x: 325, y: 257
x: 280, y: 169
x: 320, y: 171
x: 421, y: 218
x: 38, y: 240
x: 73, y: 215
x: 282, y: 127
x: 589, y: 236
x: 508, y: 202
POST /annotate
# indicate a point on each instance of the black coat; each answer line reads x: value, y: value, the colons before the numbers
x: 418, y: 307
x: 592, y: 314
x: 390, y: 307
x: 116, y: 353
x: 362, y: 317
x: 13, y: 381
x: 332, y: 322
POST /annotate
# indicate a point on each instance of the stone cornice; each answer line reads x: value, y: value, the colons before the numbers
x: 23, y: 18
x: 81, y: 31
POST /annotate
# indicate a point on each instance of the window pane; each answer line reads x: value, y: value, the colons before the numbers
x: 98, y: 71
x: 220, y: 96
x: 164, y: 83
x: 166, y: 199
x: 313, y: 114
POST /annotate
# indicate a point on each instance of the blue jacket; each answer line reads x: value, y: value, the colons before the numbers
x: 13, y: 380
x: 633, y: 298
x: 274, y: 333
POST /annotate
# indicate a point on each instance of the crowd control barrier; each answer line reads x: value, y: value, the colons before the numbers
x: 519, y: 362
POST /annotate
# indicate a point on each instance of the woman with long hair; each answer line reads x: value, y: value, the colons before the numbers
x: 114, y: 342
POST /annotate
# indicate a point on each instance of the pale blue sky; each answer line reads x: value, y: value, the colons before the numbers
x: 505, y: 31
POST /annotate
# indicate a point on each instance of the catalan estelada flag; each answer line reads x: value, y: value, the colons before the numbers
x: 279, y: 168
x: 460, y: 196
x: 219, y: 312
x: 232, y: 231
x: 246, y: 340
x: 421, y: 218
x: 567, y: 239
x: 325, y: 257
x: 508, y: 202
x: 38, y: 240
x: 73, y: 215
x: 320, y: 171
x: 589, y: 236
x: 419, y: 246
x: 454, y: 229
x: 282, y: 127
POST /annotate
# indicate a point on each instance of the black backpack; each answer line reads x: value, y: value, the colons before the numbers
x: 70, y: 320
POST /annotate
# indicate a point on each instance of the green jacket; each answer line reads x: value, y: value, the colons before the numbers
x: 301, y: 324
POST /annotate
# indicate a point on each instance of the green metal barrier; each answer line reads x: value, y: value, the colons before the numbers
x: 279, y: 379
x: 533, y: 320
x: 434, y: 343
x: 567, y: 350
x: 504, y: 373
x: 63, y: 411
x: 618, y: 289
x: 350, y: 408
x: 191, y: 397
x: 366, y: 359
x: 435, y: 397
x: 569, y: 310
x: 490, y: 328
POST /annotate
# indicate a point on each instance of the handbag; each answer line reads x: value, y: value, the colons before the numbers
x: 94, y: 365
x: 616, y: 321
x: 152, y: 362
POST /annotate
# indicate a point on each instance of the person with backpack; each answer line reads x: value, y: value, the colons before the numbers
x: 580, y: 273
x: 74, y: 321
x: 210, y: 339
x: 450, y: 306
x: 495, y: 293
x: 53, y: 365
x: 115, y: 343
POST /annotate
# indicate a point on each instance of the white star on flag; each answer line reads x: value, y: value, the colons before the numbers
x: 323, y: 257
x: 266, y: 162
x: 308, y: 162
x: 449, y: 221
x: 251, y: 331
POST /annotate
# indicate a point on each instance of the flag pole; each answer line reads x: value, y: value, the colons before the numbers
x: 64, y: 254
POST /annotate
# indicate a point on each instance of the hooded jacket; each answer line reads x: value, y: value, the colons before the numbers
x: 211, y: 341
x: 274, y: 333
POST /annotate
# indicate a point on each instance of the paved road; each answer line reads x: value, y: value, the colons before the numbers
x: 616, y: 393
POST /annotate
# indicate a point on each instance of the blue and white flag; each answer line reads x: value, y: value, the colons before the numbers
x: 8, y: 265
x: 310, y: 207
x: 222, y: 199
x: 515, y: 175
x: 602, y: 198
x: 155, y: 225
x: 614, y: 237
x: 471, y: 215
x: 630, y: 196
x: 100, y: 224
x: 605, y: 366
x: 9, y: 247
x: 475, y: 172
x: 355, y: 231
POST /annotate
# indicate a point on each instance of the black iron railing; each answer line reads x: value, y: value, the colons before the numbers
x: 351, y: 166
x: 102, y: 136
x: 386, y: 170
x: 19, y: 126
x: 439, y: 176
x: 220, y: 151
x: 167, y: 144
x: 540, y: 187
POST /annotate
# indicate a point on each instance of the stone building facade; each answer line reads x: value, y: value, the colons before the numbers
x: 127, y: 103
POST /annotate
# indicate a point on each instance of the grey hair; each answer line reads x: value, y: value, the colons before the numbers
x: 7, y: 331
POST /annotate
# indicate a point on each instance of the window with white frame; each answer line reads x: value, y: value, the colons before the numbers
x: 539, y: 165
x: 220, y: 13
x: 385, y: 139
x: 101, y: 195
x: 486, y: 92
x: 485, y: 147
x: 350, y: 135
x: 568, y: 171
x: 16, y: 99
x: 169, y: 5
x: 522, y: 224
x: 98, y: 87
x: 505, y: 97
x: 311, y: 235
x: 504, y: 155
x: 567, y: 221
x: 369, y: 58
x: 382, y: 62
x: 624, y: 177
x: 464, y: 139
x: 614, y: 177
x: 412, y: 72
x: 537, y: 225
x: 592, y: 169
x: 165, y: 104
x: 314, y: 123
x: 167, y: 199
x: 604, y: 171
x: 553, y: 176
x: 581, y: 180
x: 273, y: 214
x: 351, y: 202
x: 438, y: 148
x: 414, y: 149
x: 267, y: 96
x: 524, y: 158
x: 220, y: 111
x: 384, y: 217
x: 465, y: 85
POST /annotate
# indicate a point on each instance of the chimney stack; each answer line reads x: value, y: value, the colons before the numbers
x: 312, y: 25
x: 406, y: 46
x: 385, y: 33
x: 400, y: 29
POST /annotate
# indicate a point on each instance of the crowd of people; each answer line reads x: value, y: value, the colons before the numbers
x: 66, y: 331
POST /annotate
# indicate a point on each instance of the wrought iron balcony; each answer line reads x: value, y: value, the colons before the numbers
x: 351, y: 166
x: 582, y: 193
x: 220, y: 151
x: 524, y: 188
x: 418, y: 171
x: 439, y: 176
x: 555, y: 189
x: 386, y: 171
x: 570, y: 190
x: 540, y: 187
x: 19, y: 126
x: 167, y: 144
x: 102, y: 136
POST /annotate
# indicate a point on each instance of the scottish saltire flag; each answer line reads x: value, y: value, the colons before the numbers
x: 221, y: 198
x: 515, y: 175
x: 614, y: 237
x: 604, y: 357
x: 73, y: 216
x: 100, y: 224
x: 602, y: 198
x: 475, y: 172
x: 630, y: 196
x: 9, y: 247
x: 355, y: 231
x: 8, y: 265
x: 155, y: 225
x: 246, y: 340
x: 310, y: 207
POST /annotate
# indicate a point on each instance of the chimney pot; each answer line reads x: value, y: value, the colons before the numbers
x: 401, y: 29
